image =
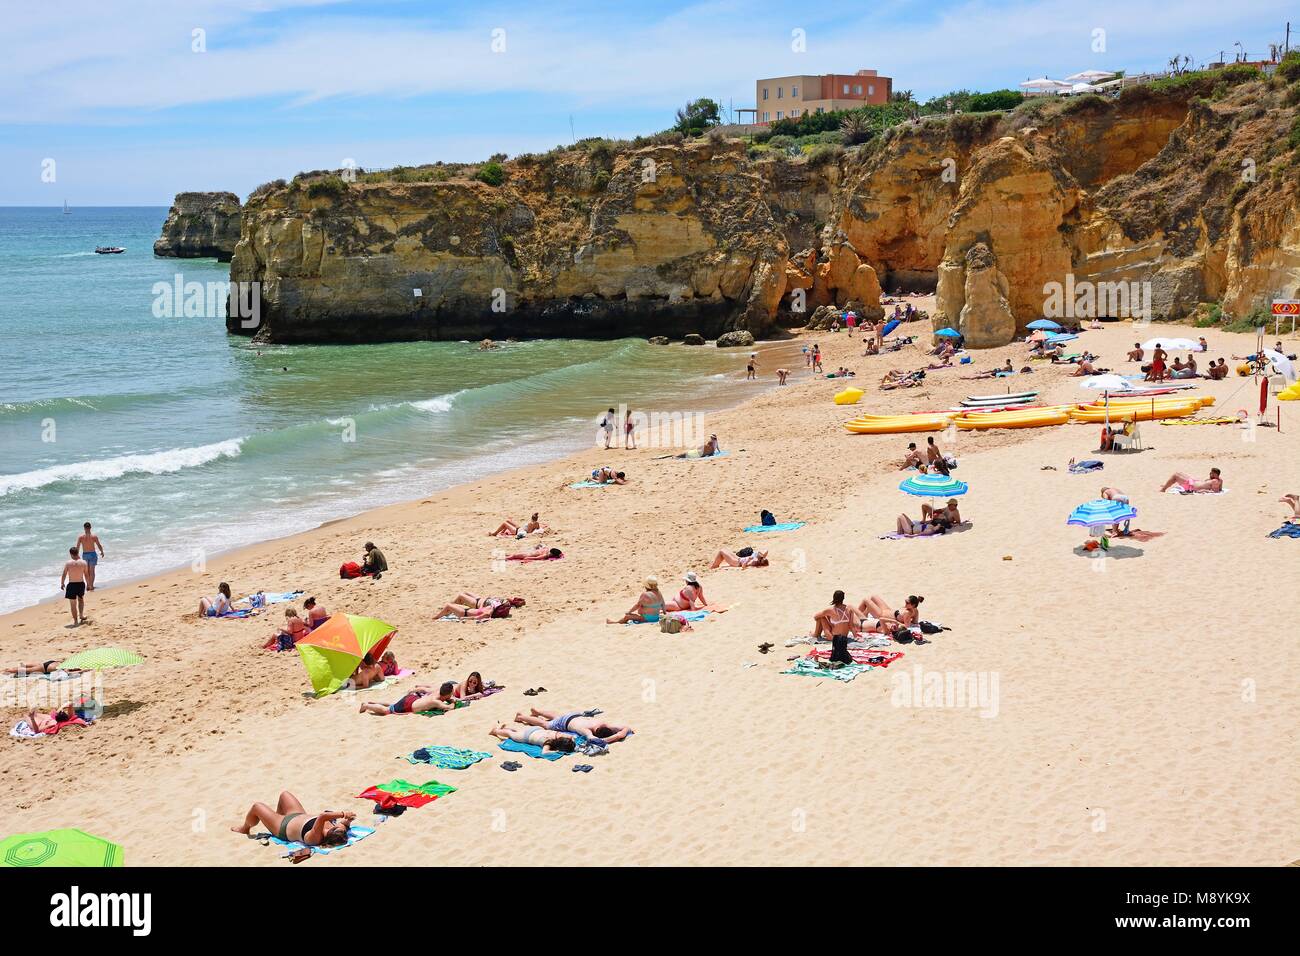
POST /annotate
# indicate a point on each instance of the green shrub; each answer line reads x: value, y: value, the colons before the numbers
x: 1289, y: 68
x: 492, y: 173
x: 997, y: 100
x: 601, y: 180
x: 824, y: 154
x: 327, y: 186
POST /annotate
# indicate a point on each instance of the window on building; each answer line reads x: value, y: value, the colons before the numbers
x: 820, y: 110
x: 871, y: 90
x: 846, y: 88
x: 793, y: 114
x: 780, y: 115
x: 767, y: 117
x: 765, y: 92
x: 779, y: 92
x: 794, y: 92
x: 857, y: 88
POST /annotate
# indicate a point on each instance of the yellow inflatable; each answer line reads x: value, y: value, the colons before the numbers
x: 849, y: 396
x: 1290, y: 394
x: 1030, y: 418
x: 1201, y: 401
x: 891, y: 424
x: 1134, y: 413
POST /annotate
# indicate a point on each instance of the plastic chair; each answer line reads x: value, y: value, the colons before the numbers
x: 1131, y: 442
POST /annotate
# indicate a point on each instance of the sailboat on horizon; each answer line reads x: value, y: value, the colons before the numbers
x: 66, y: 210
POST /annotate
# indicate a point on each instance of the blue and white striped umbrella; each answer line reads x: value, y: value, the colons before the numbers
x: 934, y: 486
x: 1101, y: 512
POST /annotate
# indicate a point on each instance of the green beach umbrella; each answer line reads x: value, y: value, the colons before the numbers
x: 332, y: 652
x: 101, y: 659
x: 59, y: 848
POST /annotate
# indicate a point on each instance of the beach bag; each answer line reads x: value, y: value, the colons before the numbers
x: 766, y: 518
x: 284, y: 642
x: 671, y: 624
x: 350, y: 569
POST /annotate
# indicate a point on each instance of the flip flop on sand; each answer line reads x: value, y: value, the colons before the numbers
x: 511, y: 766
x: 765, y: 647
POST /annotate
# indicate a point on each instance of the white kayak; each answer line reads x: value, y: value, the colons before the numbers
x: 1008, y: 398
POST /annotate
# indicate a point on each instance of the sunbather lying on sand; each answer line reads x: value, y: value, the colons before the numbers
x: 475, y: 607
x: 539, y: 553
x: 734, y: 559
x: 418, y: 700
x: 551, y: 740
x: 910, y: 614
x: 1292, y: 502
x: 39, y: 667
x: 921, y: 529
x: 1087, y: 368
x: 471, y: 688
x: 575, y: 722
x: 1189, y: 486
x: 43, y: 721
x: 289, y: 821
x: 707, y: 450
x: 647, y: 608
x: 518, y: 529
x: 608, y: 476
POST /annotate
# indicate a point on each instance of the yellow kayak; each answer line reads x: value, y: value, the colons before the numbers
x: 1035, y: 418
x: 1200, y: 400
x: 1134, y: 413
x: 891, y: 424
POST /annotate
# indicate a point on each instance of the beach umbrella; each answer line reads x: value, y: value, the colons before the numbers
x: 1176, y: 345
x: 890, y: 326
x: 1101, y: 512
x: 1061, y: 336
x: 332, y: 652
x: 1083, y: 88
x: 1107, y: 384
x: 1043, y: 324
x: 948, y: 333
x: 1044, y: 85
x: 934, y: 486
x: 1038, y: 336
x: 1090, y: 76
x: 58, y: 848
x: 101, y: 659
x: 1281, y: 364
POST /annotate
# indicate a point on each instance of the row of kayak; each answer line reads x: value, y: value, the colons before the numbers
x: 1119, y: 411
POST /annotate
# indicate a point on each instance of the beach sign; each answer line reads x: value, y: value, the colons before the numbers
x: 1285, y: 308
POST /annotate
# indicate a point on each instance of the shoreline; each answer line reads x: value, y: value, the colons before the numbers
x: 1081, y: 661
x: 232, y: 553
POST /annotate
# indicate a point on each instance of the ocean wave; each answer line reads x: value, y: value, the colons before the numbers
x: 155, y: 463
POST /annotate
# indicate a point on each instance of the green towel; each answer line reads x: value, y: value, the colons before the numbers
x: 438, y: 713
x: 807, y: 667
x: 448, y: 758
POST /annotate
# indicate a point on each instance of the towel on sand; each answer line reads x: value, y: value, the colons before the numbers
x: 24, y: 730
x: 406, y: 794
x: 1288, y: 530
x: 807, y: 667
x: 690, y: 616
x: 1084, y: 467
x: 532, y: 750
x: 787, y: 526
x: 591, y: 484
x: 355, y: 833
x: 447, y: 758
x: 860, y: 655
x: 438, y: 713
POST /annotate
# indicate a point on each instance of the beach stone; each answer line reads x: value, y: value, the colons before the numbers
x: 693, y: 338
x: 733, y: 340
x: 658, y: 340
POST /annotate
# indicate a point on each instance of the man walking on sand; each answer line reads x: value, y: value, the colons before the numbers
x: 73, y: 582
x: 91, y: 548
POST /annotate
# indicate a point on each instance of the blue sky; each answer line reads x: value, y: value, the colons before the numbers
x: 115, y: 94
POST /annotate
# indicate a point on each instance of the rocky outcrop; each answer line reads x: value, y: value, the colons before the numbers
x: 1179, y: 194
x: 200, y: 226
x: 734, y: 340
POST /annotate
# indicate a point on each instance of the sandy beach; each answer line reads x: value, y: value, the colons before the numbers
x: 1141, y: 709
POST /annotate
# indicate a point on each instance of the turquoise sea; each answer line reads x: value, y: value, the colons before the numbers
x: 175, y: 439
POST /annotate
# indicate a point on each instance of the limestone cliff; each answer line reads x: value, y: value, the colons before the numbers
x: 1187, y: 190
x: 200, y: 226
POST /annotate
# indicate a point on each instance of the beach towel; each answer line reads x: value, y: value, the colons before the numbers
x: 459, y: 705
x: 1176, y: 490
x: 591, y: 484
x: 691, y: 617
x: 1084, y: 467
x: 406, y: 794
x: 23, y: 729
x: 531, y: 750
x: 355, y: 833
x: 447, y: 758
x: 861, y: 655
x: 693, y: 457
x: 807, y: 667
x: 1288, y: 530
x: 787, y: 526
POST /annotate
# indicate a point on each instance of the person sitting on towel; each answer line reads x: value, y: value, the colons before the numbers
x: 295, y: 628
x: 948, y: 512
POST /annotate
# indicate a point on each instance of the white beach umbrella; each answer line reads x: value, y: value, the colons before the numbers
x: 1172, y: 344
x: 1282, y: 365
x: 1083, y: 88
x: 1044, y: 85
x: 1090, y: 76
x: 1107, y: 384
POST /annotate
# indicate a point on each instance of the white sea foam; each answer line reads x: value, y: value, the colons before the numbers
x: 106, y: 469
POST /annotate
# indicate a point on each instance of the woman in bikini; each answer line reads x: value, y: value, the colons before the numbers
x: 691, y: 597
x: 471, y: 688
x: 477, y: 608
x: 908, y: 528
x: 316, y: 615
x: 909, y: 615
x: 838, y: 620
x: 40, y: 667
x: 647, y: 608
x: 755, y: 559
x: 518, y: 529
x: 551, y: 740
x: 539, y: 553
x: 295, y: 628
x: 289, y: 822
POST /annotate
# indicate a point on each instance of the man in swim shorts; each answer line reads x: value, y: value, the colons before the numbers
x: 91, y: 548
x: 417, y: 701
x: 576, y: 722
x: 73, y: 582
x: 1190, y: 486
